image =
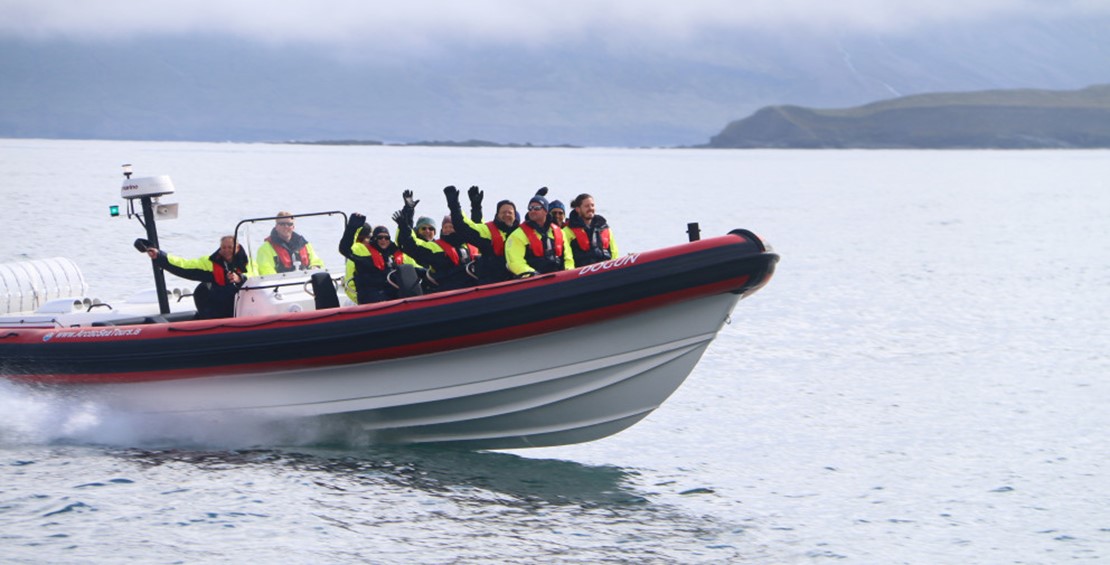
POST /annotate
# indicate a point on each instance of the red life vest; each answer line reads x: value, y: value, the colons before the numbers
x: 379, y: 259
x: 219, y: 275
x: 584, y: 240
x: 453, y: 254
x: 497, y: 239
x: 536, y: 244
x: 287, y: 259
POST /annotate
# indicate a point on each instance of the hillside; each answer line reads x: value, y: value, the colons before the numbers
x: 584, y: 91
x: 1004, y: 119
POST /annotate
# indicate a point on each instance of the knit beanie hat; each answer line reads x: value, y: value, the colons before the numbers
x: 381, y: 230
x: 556, y: 204
x: 425, y: 221
x: 539, y: 200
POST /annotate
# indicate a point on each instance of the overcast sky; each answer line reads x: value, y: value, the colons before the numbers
x: 418, y: 24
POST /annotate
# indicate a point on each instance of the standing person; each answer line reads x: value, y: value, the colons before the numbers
x: 374, y: 256
x: 285, y: 250
x: 588, y: 234
x: 537, y: 246
x: 446, y: 258
x: 558, y: 213
x: 488, y: 237
x: 220, y: 274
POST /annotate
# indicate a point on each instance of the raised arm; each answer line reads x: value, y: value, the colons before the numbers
x: 476, y: 196
x: 467, y: 228
x: 354, y: 223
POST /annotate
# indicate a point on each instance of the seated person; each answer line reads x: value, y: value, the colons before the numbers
x: 588, y: 234
x: 285, y: 250
x: 374, y: 256
x: 537, y: 246
x: 558, y: 213
x: 445, y: 258
x: 489, y: 237
x: 221, y: 274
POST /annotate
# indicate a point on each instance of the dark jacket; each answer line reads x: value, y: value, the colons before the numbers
x: 598, y: 238
x: 447, y: 269
x: 491, y: 265
x: 215, y: 296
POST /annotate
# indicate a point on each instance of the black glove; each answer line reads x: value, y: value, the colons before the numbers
x: 452, y: 195
x: 476, y: 196
x: 142, y: 245
x: 401, y: 218
x: 355, y: 221
x: 409, y: 202
x: 542, y: 191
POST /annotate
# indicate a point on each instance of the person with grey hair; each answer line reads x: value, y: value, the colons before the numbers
x: 220, y: 275
x: 285, y: 250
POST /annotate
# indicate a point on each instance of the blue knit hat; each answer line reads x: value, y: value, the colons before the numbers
x: 556, y: 204
x: 539, y: 200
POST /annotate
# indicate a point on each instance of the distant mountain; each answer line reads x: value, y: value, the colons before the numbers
x: 1005, y: 119
x: 584, y: 92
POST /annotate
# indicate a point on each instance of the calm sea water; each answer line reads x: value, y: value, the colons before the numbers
x: 924, y: 381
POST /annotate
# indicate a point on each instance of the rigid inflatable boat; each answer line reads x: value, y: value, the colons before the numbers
x: 553, y: 359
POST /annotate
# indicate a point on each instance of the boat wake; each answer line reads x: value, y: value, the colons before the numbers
x: 50, y: 417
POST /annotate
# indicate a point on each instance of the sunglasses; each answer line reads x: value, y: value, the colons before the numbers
x: 534, y: 208
x: 427, y: 228
x: 286, y: 224
x: 385, y: 237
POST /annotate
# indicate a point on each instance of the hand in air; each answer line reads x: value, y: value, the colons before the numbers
x: 476, y: 195
x: 409, y: 202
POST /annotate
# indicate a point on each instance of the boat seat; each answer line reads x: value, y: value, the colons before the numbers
x: 323, y: 291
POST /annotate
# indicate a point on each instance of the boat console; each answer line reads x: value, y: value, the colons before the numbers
x: 296, y: 291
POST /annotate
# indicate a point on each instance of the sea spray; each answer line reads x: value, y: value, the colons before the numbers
x: 45, y: 416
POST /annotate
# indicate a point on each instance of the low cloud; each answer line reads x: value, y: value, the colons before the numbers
x: 430, y: 23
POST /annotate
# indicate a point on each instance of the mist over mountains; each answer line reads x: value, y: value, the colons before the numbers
x: 584, y: 92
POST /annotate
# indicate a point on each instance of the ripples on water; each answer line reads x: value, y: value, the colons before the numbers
x: 924, y: 381
x: 71, y: 494
x: 397, y: 506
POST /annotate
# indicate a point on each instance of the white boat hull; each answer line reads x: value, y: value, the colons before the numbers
x: 569, y: 386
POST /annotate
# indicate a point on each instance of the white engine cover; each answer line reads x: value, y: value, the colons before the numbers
x: 26, y: 286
